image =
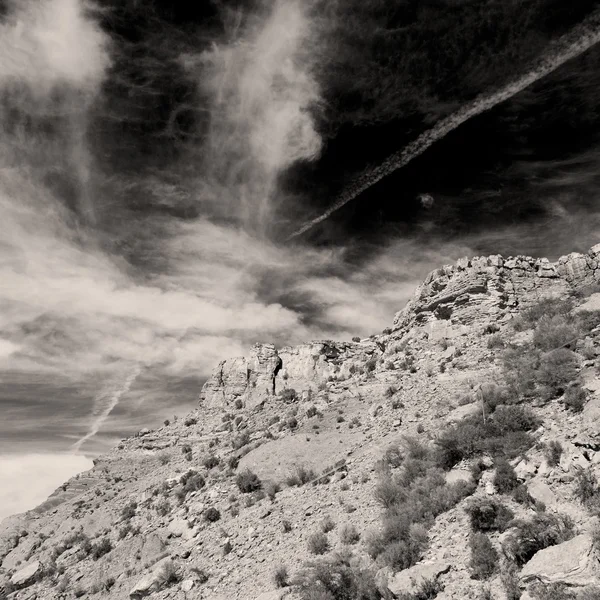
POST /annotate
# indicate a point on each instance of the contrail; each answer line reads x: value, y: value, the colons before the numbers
x: 578, y: 40
x: 103, y: 409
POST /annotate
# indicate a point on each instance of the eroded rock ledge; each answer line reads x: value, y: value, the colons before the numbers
x: 451, y: 299
x: 492, y: 286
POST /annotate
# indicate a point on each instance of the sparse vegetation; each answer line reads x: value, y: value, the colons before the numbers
x: 300, y: 476
x: 587, y: 490
x: 212, y: 514
x: 553, y: 451
x: 484, y: 558
x: 488, y: 514
x: 349, y: 534
x: 248, y: 482
x: 505, y: 478
x: 281, y: 576
x: 318, y: 543
x: 530, y: 535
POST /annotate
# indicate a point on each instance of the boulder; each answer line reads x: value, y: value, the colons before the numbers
x: 152, y: 547
x: 26, y: 576
x: 541, y: 492
x: 409, y: 580
x: 152, y: 581
x: 574, y: 563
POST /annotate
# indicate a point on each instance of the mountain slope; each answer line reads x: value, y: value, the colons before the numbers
x: 381, y: 446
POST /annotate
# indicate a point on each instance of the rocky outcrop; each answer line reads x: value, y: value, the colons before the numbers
x: 410, y: 580
x: 573, y: 563
x: 493, y: 286
x: 27, y: 575
x: 268, y: 371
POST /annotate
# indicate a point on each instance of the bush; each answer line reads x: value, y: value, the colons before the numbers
x: 488, y: 514
x: 556, y: 370
x: 318, y: 543
x: 288, y: 395
x: 539, y: 532
x: 587, y: 490
x: 247, y: 482
x: 281, y: 577
x: 393, y: 456
x: 128, y: 511
x: 104, y: 546
x: 336, y: 579
x: 168, y: 574
x: 300, y: 476
x: 349, y: 534
x: 505, y: 478
x: 211, y: 461
x: 575, y: 398
x: 553, y: 451
x: 545, y: 308
x: 191, y: 481
x: 505, y: 433
x: 212, y: 514
x: 554, y: 332
x: 189, y: 421
x: 327, y: 524
x: 484, y: 558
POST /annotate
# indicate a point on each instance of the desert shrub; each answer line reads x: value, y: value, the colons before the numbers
x: 163, y: 508
x: 286, y: 526
x: 291, y: 422
x: 327, y: 524
x: 545, y: 308
x: 389, y: 492
x: 356, y: 339
x: 417, y: 502
x: 393, y: 456
x: 528, y: 536
x: 551, y: 591
x: 186, y: 449
x: 390, y: 391
x: 281, y: 577
x: 247, y: 481
x: 510, y: 582
x: 288, y: 395
x: 212, y: 514
x: 300, y: 475
x: 311, y: 411
x: 189, y: 421
x: 554, y: 332
x: 128, y: 511
x: 484, y: 558
x: 587, y: 490
x: 488, y: 514
x: 575, y: 398
x: 556, y: 370
x: 349, y: 534
x: 336, y: 579
x: 241, y: 440
x: 191, y: 481
x: 99, y: 549
x: 164, y: 458
x: 211, y: 461
x: 553, y: 451
x: 168, y: 574
x: 318, y: 543
x: 522, y: 496
x: 495, y: 341
x: 505, y: 478
x: 504, y: 433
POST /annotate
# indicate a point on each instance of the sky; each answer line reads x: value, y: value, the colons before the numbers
x: 155, y: 160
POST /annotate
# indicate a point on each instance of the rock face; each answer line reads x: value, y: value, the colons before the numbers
x: 574, y: 563
x: 151, y: 582
x: 267, y: 371
x: 492, y: 285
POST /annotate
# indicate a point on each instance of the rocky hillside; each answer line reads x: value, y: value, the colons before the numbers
x: 455, y: 455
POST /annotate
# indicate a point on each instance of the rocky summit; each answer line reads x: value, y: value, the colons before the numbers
x: 455, y: 455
